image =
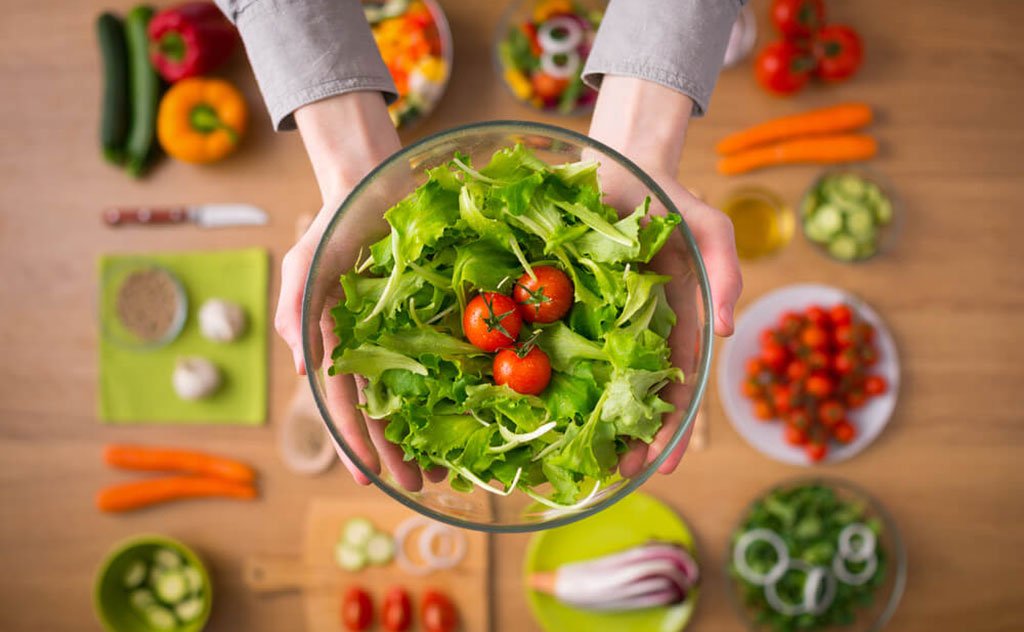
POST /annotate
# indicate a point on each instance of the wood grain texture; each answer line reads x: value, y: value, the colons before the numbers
x: 946, y: 81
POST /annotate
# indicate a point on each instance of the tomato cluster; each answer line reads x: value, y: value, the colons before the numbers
x: 813, y: 368
x: 437, y: 612
x: 492, y: 322
x: 809, y: 48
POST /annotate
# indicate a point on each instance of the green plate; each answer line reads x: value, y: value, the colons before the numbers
x: 635, y: 520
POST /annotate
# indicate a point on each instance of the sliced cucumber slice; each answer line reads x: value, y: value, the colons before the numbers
x: 350, y: 558
x: 826, y: 222
x: 810, y: 204
x: 141, y: 598
x: 357, y: 532
x: 194, y: 579
x: 160, y: 618
x: 380, y: 549
x: 189, y: 610
x: 167, y: 559
x: 843, y: 247
x: 861, y: 224
x: 171, y: 586
x: 135, y: 575
x: 851, y: 187
x: 883, y: 211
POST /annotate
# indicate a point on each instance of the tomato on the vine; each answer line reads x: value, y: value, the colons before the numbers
x: 491, y: 321
x: 544, y: 297
x: 524, y: 370
x: 798, y: 18
x: 838, y: 51
x: 356, y: 610
x: 783, y: 68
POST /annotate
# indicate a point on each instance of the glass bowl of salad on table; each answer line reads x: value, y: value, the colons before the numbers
x: 522, y: 315
x: 816, y: 553
x: 540, y: 49
x: 415, y: 43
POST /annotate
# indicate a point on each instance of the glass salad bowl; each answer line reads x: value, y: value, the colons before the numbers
x: 449, y: 494
x: 825, y: 528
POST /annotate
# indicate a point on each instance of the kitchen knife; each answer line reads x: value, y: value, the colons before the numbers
x: 205, y: 215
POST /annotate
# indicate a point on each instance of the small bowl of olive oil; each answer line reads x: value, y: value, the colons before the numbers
x: 762, y: 222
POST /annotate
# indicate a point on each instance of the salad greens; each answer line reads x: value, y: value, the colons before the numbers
x: 467, y: 230
x: 808, y: 524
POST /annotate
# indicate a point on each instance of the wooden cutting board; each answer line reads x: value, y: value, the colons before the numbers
x: 322, y: 582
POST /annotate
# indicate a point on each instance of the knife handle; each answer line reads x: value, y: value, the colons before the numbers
x: 146, y: 215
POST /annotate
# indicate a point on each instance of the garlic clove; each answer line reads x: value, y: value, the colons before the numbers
x: 195, y: 378
x: 221, y: 320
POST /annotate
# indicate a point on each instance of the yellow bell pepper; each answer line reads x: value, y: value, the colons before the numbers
x: 521, y: 86
x: 201, y: 120
x: 547, y: 8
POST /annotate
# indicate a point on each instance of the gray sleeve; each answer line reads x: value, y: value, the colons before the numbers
x: 306, y: 50
x: 679, y: 44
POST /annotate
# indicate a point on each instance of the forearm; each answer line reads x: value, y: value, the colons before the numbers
x: 345, y: 137
x: 643, y: 120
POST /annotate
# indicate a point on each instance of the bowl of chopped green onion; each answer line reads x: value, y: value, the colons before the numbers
x: 511, y: 308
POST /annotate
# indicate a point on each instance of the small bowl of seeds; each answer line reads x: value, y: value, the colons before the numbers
x: 143, y: 304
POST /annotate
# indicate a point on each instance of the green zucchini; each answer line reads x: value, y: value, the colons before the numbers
x: 145, y: 91
x: 114, y: 114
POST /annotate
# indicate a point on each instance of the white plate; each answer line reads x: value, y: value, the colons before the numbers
x: 767, y: 437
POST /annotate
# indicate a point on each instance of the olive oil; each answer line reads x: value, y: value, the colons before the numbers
x: 761, y: 222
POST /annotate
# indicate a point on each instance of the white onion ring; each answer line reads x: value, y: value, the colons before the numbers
x: 771, y: 592
x: 402, y: 532
x: 438, y: 532
x: 866, y: 548
x: 739, y: 556
x: 815, y: 576
x: 572, y: 64
x: 572, y: 39
x: 854, y: 579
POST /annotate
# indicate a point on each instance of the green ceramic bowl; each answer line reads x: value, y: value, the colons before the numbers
x: 110, y: 599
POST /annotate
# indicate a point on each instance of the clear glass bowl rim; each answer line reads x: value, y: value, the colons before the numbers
x: 707, y: 337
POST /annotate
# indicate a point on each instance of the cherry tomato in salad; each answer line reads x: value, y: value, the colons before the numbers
x: 437, y: 613
x: 763, y: 410
x: 844, y: 432
x: 839, y: 52
x: 819, y: 385
x: 783, y: 68
x: 840, y: 314
x: 798, y: 18
x: 527, y: 374
x: 876, y: 385
x: 545, y: 297
x: 356, y: 610
x: 795, y: 436
x: 816, y: 451
x: 396, y: 612
x: 830, y: 412
x: 547, y: 87
x: 491, y: 321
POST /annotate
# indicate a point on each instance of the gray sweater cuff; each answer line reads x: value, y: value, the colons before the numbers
x: 306, y: 51
x: 679, y: 44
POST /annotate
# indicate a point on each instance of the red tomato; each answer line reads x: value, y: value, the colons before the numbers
x: 798, y: 18
x: 356, y: 610
x: 437, y: 613
x: 547, y: 87
x: 796, y: 370
x: 843, y: 335
x: 528, y: 374
x: 876, y: 385
x: 775, y: 356
x: 755, y: 366
x: 795, y: 436
x: 830, y: 412
x: 798, y: 418
x: 816, y: 451
x: 546, y: 298
x: 763, y: 410
x: 491, y: 321
x: 814, y: 337
x: 791, y: 324
x: 838, y: 51
x: 841, y: 314
x: 751, y: 389
x: 817, y: 361
x: 396, y: 613
x: 844, y: 432
x: 855, y: 398
x: 782, y: 68
x: 817, y: 315
x: 770, y: 337
x: 782, y: 399
x: 868, y: 355
x: 818, y: 385
x: 864, y: 332
x: 845, y: 362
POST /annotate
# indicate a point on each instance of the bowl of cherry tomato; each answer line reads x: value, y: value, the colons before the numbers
x: 810, y: 48
x: 811, y: 375
x: 540, y: 49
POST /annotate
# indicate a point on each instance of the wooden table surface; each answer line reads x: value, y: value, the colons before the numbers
x: 946, y: 82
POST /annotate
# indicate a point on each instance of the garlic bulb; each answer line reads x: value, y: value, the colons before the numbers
x: 195, y: 378
x: 221, y: 320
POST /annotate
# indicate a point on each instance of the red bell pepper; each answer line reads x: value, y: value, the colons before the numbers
x: 190, y: 39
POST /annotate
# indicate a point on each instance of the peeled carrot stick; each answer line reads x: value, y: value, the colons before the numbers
x: 819, y: 150
x: 133, y: 457
x: 838, y: 118
x: 139, y: 494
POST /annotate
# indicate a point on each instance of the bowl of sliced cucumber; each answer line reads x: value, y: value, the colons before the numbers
x: 152, y: 584
x: 849, y: 213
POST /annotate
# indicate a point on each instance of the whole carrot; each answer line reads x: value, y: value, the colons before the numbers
x: 139, y: 494
x: 831, y: 120
x: 819, y: 150
x: 133, y: 457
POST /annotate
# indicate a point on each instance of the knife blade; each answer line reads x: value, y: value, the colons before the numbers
x: 205, y: 215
